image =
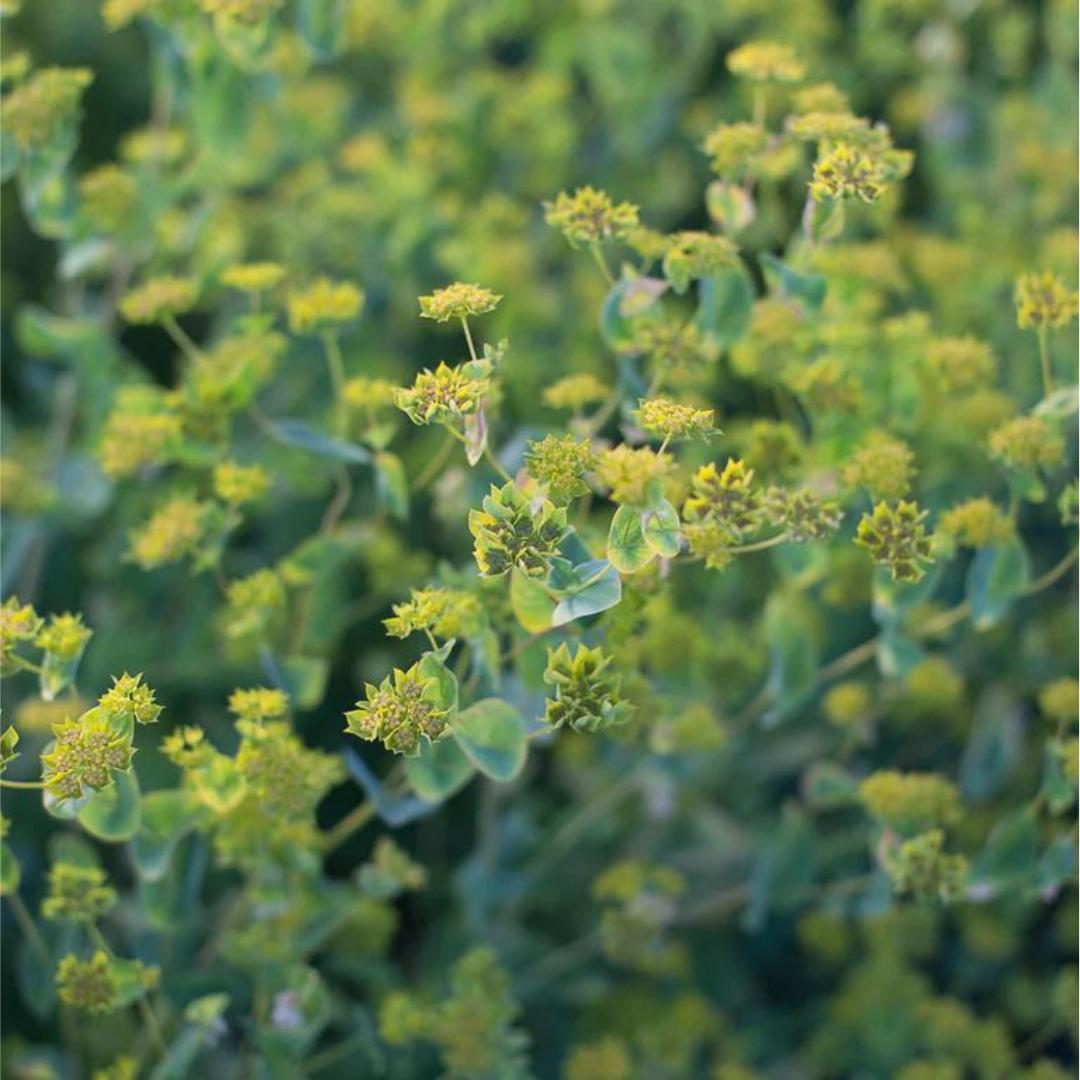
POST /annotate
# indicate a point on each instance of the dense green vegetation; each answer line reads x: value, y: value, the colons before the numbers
x: 539, y: 539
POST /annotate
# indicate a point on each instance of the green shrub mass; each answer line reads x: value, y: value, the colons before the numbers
x: 539, y: 539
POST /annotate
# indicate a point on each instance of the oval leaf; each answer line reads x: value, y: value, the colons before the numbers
x: 531, y: 605
x: 998, y: 575
x: 627, y: 550
x: 113, y: 814
x: 662, y: 531
x: 439, y: 770
x: 602, y: 589
x: 492, y: 734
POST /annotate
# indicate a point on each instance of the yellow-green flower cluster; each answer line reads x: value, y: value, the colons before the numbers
x: 883, y: 465
x: 828, y: 127
x: 766, y: 61
x: 1060, y: 700
x: 252, y: 602
x: 442, y: 396
x: 678, y: 345
x: 510, y: 532
x: 668, y: 419
x: 723, y: 499
x: 130, y: 700
x: 446, y: 613
x: 977, y: 523
x: 826, y: 385
x: 635, y: 476
x: 246, y: 12
x: 19, y: 623
x: 77, y: 893
x: 132, y: 441
x: 88, y: 984
x: 64, y: 636
x: 253, y: 277
x: 86, y: 753
x: 401, y: 712
x: 586, y: 690
x: 802, y: 514
x: 1027, y: 442
x: 590, y: 217
x: 366, y: 392
x: 639, y: 901
x: 172, y: 532
x: 845, y: 172
x: 1043, y: 300
x: 692, y: 255
x: 559, y: 463
x: 574, y: 392
x: 41, y: 108
x: 108, y: 195
x: 910, y: 802
x: 458, y: 301
x: 896, y: 538
x: 258, y: 703
x: 960, y: 363
x: 733, y: 147
x: 323, y: 304
x: 240, y: 484
x: 847, y: 705
x: 159, y: 299
x: 921, y: 868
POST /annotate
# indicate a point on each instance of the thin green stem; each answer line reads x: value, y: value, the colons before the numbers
x: 435, y: 463
x: 494, y: 462
x: 337, y: 382
x: 468, y: 337
x: 351, y: 823
x: 181, y: 339
x: 760, y: 545
x: 1044, y: 362
x: 29, y: 785
x: 598, y: 255
x: 28, y: 926
x: 1057, y: 571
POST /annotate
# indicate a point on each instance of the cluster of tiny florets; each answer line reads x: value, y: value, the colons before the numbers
x: 560, y: 463
x: 509, y: 531
x: 672, y: 420
x: 129, y: 698
x: 401, y: 712
x: 590, y: 217
x: 458, y: 301
x: 586, y: 690
x: 324, y: 304
x: 896, y: 538
x: 1043, y: 300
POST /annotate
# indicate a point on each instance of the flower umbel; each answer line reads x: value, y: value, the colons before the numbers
x: 586, y: 691
x: 458, y: 301
x: 400, y: 712
x: 589, y: 216
x: 508, y: 532
x: 896, y: 537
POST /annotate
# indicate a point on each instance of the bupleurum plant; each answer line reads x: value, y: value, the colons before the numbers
x: 529, y: 552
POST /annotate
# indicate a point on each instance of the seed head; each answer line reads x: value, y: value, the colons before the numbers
x: 895, y: 537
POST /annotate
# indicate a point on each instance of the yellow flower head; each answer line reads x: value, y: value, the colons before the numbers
x: 239, y: 484
x: 977, y: 523
x: 847, y: 173
x: 1043, y: 300
x: 574, y: 392
x: 766, y: 61
x: 158, y: 299
x: 37, y: 110
x: 589, y: 216
x: 458, y: 301
x: 253, y: 277
x: 322, y: 304
x: 258, y: 703
x: 671, y: 420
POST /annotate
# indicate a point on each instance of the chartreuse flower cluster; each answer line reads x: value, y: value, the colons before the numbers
x: 859, y: 381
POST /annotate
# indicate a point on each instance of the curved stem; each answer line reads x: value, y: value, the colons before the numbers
x: 352, y: 822
x: 494, y: 462
x: 180, y: 337
x: 598, y: 255
x: 1044, y: 362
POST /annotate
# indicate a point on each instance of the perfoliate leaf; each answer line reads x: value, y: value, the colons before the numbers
x: 492, y: 733
x: 627, y: 550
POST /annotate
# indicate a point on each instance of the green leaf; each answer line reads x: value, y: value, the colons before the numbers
x: 531, y: 605
x: 791, y: 633
x: 826, y: 785
x: 432, y: 666
x: 600, y: 589
x: 898, y: 654
x: 1061, y: 404
x: 113, y: 814
x: 301, y: 434
x: 627, y: 550
x: 391, y: 484
x: 662, y: 530
x: 321, y: 24
x: 795, y: 284
x: 167, y: 816
x: 10, y: 875
x: 1011, y: 852
x: 1057, y: 789
x: 725, y: 304
x: 1057, y: 866
x: 305, y: 678
x: 492, y: 734
x: 994, y: 746
x: 439, y: 770
x: 997, y: 576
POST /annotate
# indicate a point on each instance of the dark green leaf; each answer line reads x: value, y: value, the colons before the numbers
x: 997, y: 576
